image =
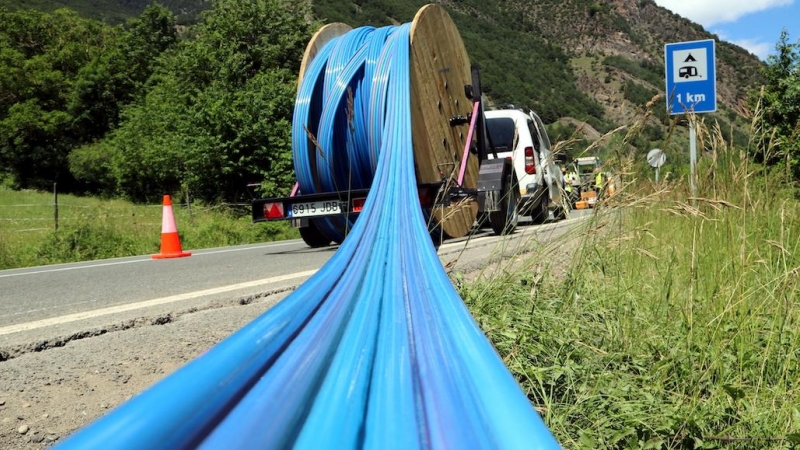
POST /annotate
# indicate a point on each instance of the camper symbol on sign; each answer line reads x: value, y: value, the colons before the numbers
x: 690, y: 65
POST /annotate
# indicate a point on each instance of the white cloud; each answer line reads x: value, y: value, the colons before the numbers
x: 710, y: 12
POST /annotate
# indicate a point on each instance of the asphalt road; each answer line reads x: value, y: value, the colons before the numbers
x: 78, y: 339
x: 70, y: 300
x: 28, y: 295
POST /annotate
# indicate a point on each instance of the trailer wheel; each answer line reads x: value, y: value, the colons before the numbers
x: 313, y: 237
x: 560, y: 213
x: 437, y: 237
x: 574, y: 197
x: 482, y: 220
x: 505, y: 221
x: 540, y: 212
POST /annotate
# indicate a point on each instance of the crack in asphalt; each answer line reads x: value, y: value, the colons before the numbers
x: 15, y: 351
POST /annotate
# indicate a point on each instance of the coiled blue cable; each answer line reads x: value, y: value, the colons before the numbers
x: 376, y: 350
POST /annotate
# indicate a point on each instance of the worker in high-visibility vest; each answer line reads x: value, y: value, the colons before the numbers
x: 567, y: 188
x: 575, y: 179
x: 572, y: 186
x: 598, y: 182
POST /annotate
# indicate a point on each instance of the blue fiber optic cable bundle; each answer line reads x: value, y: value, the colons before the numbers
x: 376, y: 350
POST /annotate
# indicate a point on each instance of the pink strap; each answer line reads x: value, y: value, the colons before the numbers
x: 463, y: 168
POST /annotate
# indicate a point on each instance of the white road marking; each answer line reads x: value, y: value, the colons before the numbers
x: 228, y: 250
x: 147, y: 303
x: 62, y: 269
x: 49, y: 269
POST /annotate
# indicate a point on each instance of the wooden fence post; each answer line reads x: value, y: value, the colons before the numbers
x: 55, y: 204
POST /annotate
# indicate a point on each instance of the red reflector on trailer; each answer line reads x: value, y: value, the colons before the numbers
x: 273, y: 210
x: 425, y: 197
x: 358, y: 204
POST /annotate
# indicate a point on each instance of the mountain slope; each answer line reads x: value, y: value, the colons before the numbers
x: 596, y: 60
x: 637, y: 30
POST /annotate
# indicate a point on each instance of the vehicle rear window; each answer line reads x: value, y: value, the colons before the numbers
x: 502, y: 133
x: 534, y: 135
x: 542, y: 132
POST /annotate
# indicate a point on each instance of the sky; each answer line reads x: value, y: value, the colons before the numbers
x: 754, y: 25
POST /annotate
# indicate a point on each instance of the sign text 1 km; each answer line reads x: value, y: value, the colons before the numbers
x: 691, y: 77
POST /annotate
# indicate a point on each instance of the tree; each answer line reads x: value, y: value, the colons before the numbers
x: 118, y: 76
x: 218, y: 112
x: 781, y: 105
x: 40, y: 56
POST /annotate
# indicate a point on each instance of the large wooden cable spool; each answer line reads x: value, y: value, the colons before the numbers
x: 440, y: 69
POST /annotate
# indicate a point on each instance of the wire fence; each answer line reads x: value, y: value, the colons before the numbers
x: 33, y: 217
x: 49, y: 216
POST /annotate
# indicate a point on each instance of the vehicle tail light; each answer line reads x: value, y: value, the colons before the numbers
x: 426, y: 197
x: 358, y: 204
x: 530, y: 165
x: 273, y: 210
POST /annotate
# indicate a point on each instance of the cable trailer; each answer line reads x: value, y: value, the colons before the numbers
x: 490, y: 193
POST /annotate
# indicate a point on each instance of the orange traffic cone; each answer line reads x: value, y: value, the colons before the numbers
x: 170, y: 241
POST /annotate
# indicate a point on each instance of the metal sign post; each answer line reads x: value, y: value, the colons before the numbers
x: 691, y: 87
x: 692, y: 155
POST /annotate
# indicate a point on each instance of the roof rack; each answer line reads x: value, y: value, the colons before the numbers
x: 503, y: 106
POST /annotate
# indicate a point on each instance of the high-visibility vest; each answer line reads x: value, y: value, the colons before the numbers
x: 573, y: 178
x: 598, y: 180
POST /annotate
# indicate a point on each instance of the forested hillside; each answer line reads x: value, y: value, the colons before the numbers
x: 139, y: 110
x: 548, y: 42
x: 147, y: 106
x: 519, y: 65
x: 113, y: 11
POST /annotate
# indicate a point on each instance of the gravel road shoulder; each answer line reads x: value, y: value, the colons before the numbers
x: 45, y: 396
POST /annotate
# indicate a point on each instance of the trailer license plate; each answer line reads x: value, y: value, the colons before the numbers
x: 311, y: 209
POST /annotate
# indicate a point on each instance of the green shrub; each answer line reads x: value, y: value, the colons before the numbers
x: 88, y: 240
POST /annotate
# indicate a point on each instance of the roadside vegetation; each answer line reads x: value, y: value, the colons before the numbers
x: 669, y: 321
x: 112, y: 11
x: 91, y: 228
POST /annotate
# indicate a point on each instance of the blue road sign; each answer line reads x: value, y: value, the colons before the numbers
x: 691, y: 77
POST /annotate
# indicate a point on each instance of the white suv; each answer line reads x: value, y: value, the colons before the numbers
x: 521, y: 136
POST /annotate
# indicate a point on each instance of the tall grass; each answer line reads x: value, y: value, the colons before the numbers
x: 91, y: 228
x: 669, y: 321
